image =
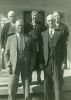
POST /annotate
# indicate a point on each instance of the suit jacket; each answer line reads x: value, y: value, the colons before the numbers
x: 55, y: 54
x: 11, y: 52
x: 5, y: 34
x: 55, y: 46
x: 65, y: 35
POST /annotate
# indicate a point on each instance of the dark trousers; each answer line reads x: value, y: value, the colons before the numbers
x: 48, y: 88
x: 53, y: 84
x: 13, y: 82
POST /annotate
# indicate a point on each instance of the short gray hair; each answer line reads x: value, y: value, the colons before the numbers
x: 50, y: 15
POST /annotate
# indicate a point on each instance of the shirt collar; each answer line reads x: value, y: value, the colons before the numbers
x: 18, y: 35
x: 53, y: 29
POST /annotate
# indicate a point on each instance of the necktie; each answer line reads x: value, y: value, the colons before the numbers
x: 22, y: 43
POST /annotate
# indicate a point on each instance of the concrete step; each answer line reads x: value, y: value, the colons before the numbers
x: 4, y: 77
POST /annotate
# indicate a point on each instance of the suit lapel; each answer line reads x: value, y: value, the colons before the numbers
x: 24, y: 42
x: 14, y: 44
x: 37, y: 27
x: 14, y: 51
x: 15, y: 41
x: 45, y: 42
x: 57, y: 36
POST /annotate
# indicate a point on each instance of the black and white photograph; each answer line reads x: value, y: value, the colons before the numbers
x: 35, y: 50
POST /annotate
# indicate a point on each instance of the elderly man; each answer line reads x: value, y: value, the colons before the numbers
x: 64, y: 30
x: 18, y: 54
x: 36, y: 28
x: 8, y: 29
x: 53, y: 55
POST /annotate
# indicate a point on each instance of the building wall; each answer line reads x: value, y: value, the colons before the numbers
x: 46, y: 5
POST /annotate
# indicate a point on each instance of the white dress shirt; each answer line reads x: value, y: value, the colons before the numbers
x: 51, y: 32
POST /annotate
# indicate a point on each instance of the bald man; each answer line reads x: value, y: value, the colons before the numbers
x: 18, y: 54
x: 7, y: 30
x: 53, y: 43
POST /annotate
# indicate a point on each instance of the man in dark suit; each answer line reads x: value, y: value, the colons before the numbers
x: 8, y: 29
x: 54, y: 58
x: 62, y: 27
x: 18, y: 58
x: 36, y: 28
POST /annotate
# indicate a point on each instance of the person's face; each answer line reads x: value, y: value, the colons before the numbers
x: 57, y: 17
x: 50, y: 22
x: 11, y: 17
x: 19, y: 27
x: 34, y: 18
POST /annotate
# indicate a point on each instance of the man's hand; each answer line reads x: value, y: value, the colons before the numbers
x: 63, y: 66
x: 2, y: 50
x: 9, y: 70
